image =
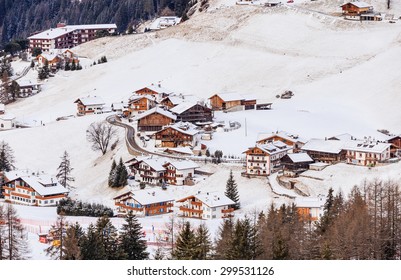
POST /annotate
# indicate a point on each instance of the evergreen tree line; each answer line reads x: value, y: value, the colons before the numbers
x: 70, y: 207
x: 365, y: 225
x: 101, y: 241
x: 20, y: 18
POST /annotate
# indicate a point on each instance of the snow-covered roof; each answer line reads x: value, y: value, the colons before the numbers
x: 229, y: 96
x: 119, y: 105
x: 136, y: 97
x: 391, y: 137
x: 155, y: 163
x: 310, y: 202
x: 300, y: 157
x: 344, y: 137
x: 214, y: 199
x: 48, y: 56
x: 163, y: 22
x: 7, y: 117
x: 27, y: 83
x: 156, y: 88
x: 43, y: 184
x: 274, y: 147
x: 182, y: 107
x: 181, y: 150
x: 90, y: 100
x: 359, y: 4
x: 370, y: 147
x: 149, y: 196
x: 325, y: 146
x: 185, y: 164
x: 283, y: 134
x: 319, y: 164
x: 157, y: 110
x: 60, y: 31
x: 175, y: 99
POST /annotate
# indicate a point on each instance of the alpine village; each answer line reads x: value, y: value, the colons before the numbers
x: 200, y: 130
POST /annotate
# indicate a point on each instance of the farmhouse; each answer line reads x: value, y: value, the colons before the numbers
x: 149, y: 170
x: 296, y: 163
x: 89, y: 105
x: 52, y: 60
x: 287, y: 138
x: 367, y: 153
x: 155, y: 90
x: 68, y: 36
x: 356, y: 7
x: 225, y: 101
x: 154, y: 119
x: 192, y: 112
x: 32, y: 189
x: 310, y: 208
x: 28, y: 88
x: 262, y: 160
x: 180, y: 172
x: 209, y: 205
x: 164, y: 22
x: 144, y: 202
x: 176, y: 135
x: 140, y: 103
x: 395, y: 140
x: 327, y: 151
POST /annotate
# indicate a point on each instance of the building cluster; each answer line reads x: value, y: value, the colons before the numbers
x: 164, y: 22
x: 360, y: 11
x: 285, y: 151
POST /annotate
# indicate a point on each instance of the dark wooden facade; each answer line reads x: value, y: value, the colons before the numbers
x: 351, y: 8
x: 172, y: 138
x: 197, y: 113
x: 288, y: 164
x: 396, y: 145
x: 154, y: 122
x: 146, y: 90
x: 327, y: 157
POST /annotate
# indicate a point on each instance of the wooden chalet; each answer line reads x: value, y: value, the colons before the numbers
x: 140, y: 104
x: 149, y: 170
x: 289, y: 139
x: 180, y: 172
x: 327, y: 151
x: 177, y: 135
x: 209, y: 205
x: 32, y: 189
x: 51, y: 59
x: 155, y: 90
x: 171, y: 101
x: 296, y: 163
x: 310, y: 208
x: 367, y: 153
x: 147, y: 202
x: 395, y: 141
x: 262, y: 160
x: 225, y: 101
x: 192, y: 112
x: 154, y: 119
x: 89, y: 105
x: 356, y: 8
x: 28, y: 88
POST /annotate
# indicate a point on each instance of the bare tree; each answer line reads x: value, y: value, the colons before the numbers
x: 2, y: 232
x: 16, y: 245
x: 100, y: 134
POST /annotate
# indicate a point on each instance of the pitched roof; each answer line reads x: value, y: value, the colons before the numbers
x: 156, y: 88
x: 370, y: 147
x: 148, y: 196
x: 157, y: 110
x: 48, y: 56
x: 283, y: 134
x: 7, y: 117
x: 136, y: 97
x: 179, y: 150
x: 175, y: 99
x: 43, y: 184
x: 90, y: 100
x: 155, y: 163
x: 300, y: 157
x: 326, y: 146
x: 214, y: 199
x: 182, y: 107
x: 344, y: 136
x: 185, y: 164
x: 358, y: 4
x: 229, y: 96
x: 272, y: 148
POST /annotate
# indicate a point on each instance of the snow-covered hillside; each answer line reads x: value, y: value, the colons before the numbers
x: 345, y: 76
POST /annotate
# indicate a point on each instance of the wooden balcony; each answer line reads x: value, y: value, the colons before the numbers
x: 226, y: 211
x: 196, y: 203
x: 128, y: 207
x: 50, y: 197
x: 186, y: 209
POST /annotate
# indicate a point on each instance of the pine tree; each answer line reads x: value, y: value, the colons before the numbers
x: 203, y: 244
x: 132, y: 239
x: 122, y: 174
x: 6, y: 157
x: 64, y: 171
x: 231, y: 191
x: 184, y: 245
x: 112, y: 173
x: 224, y: 237
x: 92, y: 248
x: 108, y: 236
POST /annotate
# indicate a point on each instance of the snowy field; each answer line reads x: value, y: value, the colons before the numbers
x: 345, y: 77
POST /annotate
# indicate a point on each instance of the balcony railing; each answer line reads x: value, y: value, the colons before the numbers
x: 229, y: 210
x: 186, y: 209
